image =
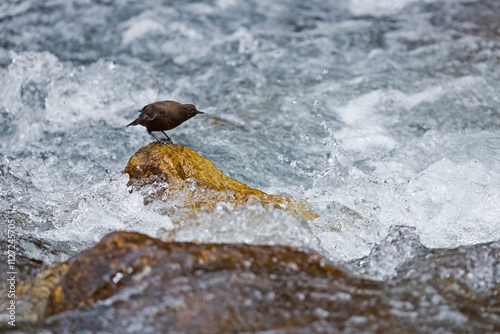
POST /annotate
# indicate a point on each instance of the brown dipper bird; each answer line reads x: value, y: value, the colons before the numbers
x: 164, y: 115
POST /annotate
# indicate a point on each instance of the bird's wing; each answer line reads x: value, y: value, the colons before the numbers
x: 148, y: 111
x: 156, y: 111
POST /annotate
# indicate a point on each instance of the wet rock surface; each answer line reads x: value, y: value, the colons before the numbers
x: 210, y: 288
x: 35, y: 284
x: 130, y: 282
x: 195, y: 179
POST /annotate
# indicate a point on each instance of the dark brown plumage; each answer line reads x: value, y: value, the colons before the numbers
x: 164, y: 115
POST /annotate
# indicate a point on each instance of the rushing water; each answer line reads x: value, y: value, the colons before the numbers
x: 389, y: 108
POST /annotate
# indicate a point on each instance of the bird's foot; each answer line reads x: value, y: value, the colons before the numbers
x: 168, y: 141
x: 164, y: 142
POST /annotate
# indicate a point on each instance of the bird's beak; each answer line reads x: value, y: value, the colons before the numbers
x: 199, y: 112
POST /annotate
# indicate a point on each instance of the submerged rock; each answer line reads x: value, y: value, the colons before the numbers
x: 198, y: 182
x: 131, y: 282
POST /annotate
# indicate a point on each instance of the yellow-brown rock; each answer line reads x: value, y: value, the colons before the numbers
x: 33, y: 292
x: 206, y: 185
x: 37, y: 291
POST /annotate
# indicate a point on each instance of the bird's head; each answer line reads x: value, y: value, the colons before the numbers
x: 191, y: 110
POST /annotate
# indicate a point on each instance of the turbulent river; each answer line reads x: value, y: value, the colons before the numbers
x: 388, y: 108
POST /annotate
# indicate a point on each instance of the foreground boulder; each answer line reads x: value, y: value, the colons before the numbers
x: 131, y: 281
x: 202, y: 184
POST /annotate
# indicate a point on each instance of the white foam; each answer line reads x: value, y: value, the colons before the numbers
x: 105, y: 207
x: 141, y: 27
x: 441, y: 184
x: 364, y: 130
x: 250, y: 224
x: 385, y: 7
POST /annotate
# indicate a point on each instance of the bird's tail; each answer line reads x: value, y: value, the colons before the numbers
x: 135, y: 122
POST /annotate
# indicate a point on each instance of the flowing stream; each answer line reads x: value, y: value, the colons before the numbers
x: 388, y: 108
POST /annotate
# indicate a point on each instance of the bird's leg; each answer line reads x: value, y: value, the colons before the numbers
x: 168, y: 138
x: 158, y: 140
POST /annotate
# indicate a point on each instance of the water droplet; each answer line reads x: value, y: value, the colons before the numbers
x: 270, y: 295
x: 294, y: 100
x: 321, y: 313
x: 320, y: 115
x: 325, y: 71
x: 316, y: 103
x: 319, y: 77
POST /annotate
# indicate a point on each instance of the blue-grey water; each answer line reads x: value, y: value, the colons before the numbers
x: 389, y: 108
